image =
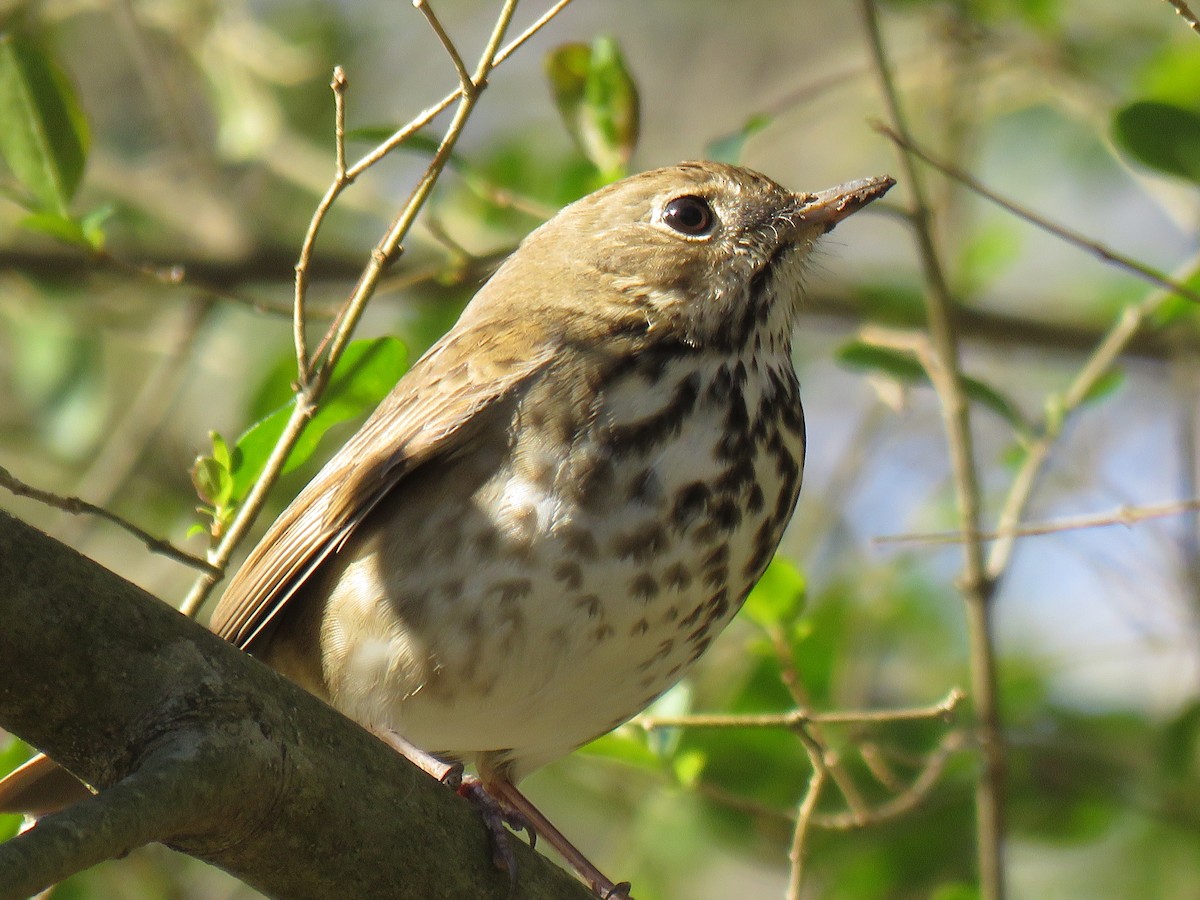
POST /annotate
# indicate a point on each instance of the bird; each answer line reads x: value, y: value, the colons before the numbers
x: 566, y: 499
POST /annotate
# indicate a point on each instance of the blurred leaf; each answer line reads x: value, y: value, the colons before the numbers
x: 892, y: 303
x: 956, y: 892
x: 903, y: 367
x: 728, y: 148
x: 626, y: 745
x: 1162, y: 136
x: 993, y: 248
x: 43, y: 133
x: 1180, y: 745
x: 366, y: 372
x: 907, y: 369
x: 779, y: 596
x: 85, y: 232
x: 1172, y: 74
x: 1106, y: 384
x: 598, y: 101
x: 688, y: 767
x: 1175, y: 309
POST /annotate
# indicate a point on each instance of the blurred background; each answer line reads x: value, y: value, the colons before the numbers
x: 166, y: 316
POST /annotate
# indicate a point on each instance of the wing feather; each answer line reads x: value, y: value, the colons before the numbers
x: 429, y: 414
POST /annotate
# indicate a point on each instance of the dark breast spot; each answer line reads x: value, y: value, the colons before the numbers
x: 689, y: 502
x: 643, y: 586
x: 677, y: 576
x: 570, y: 574
x: 641, y: 543
x: 645, y: 434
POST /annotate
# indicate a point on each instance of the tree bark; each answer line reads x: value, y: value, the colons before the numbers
x: 194, y: 744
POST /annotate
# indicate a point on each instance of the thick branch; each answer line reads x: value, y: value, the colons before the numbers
x: 227, y: 760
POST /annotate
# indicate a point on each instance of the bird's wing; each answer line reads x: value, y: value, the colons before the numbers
x: 430, y: 413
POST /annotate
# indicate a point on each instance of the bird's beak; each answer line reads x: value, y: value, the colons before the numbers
x: 829, y: 207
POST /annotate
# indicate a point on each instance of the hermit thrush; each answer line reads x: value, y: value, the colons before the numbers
x: 568, y: 497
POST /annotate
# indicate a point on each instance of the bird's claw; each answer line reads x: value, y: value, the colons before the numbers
x: 496, y: 815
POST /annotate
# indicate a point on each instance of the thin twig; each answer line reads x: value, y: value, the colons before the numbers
x: 76, y: 506
x: 976, y: 586
x: 907, y: 799
x: 790, y: 676
x: 464, y: 77
x: 429, y: 114
x: 1122, y: 515
x: 1107, y: 254
x: 906, y: 802
x: 797, y: 852
x: 1186, y: 14
x: 338, y: 84
x: 796, y: 720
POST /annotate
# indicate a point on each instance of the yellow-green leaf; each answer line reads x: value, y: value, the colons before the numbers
x: 43, y: 132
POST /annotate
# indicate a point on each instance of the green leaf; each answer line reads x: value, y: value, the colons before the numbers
x: 366, y: 372
x: 60, y: 226
x: 779, y: 596
x: 728, y: 147
x: 1162, y: 136
x: 907, y: 369
x: 212, y: 475
x: 43, y: 133
x: 598, y: 100
x: 86, y: 231
x: 903, y: 367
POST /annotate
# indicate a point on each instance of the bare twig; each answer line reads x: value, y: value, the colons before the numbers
x: 796, y: 720
x: 790, y: 677
x: 338, y: 85
x: 464, y: 77
x: 907, y: 801
x: 976, y: 585
x: 1186, y: 14
x: 429, y: 114
x: 1129, y: 264
x: 1122, y: 515
x: 381, y: 256
x: 805, y: 812
x: 76, y: 506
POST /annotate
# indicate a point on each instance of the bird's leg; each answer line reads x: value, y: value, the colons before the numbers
x: 448, y: 773
x: 505, y: 794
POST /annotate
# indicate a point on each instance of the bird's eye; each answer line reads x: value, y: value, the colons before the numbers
x: 689, y: 215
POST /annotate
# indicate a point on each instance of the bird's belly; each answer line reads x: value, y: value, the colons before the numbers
x: 564, y: 599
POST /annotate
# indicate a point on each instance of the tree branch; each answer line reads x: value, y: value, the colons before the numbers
x: 198, y: 746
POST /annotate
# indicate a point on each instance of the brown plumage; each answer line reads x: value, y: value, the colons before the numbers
x: 563, y: 502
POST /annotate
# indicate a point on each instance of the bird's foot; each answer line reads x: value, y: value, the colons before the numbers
x: 496, y: 815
